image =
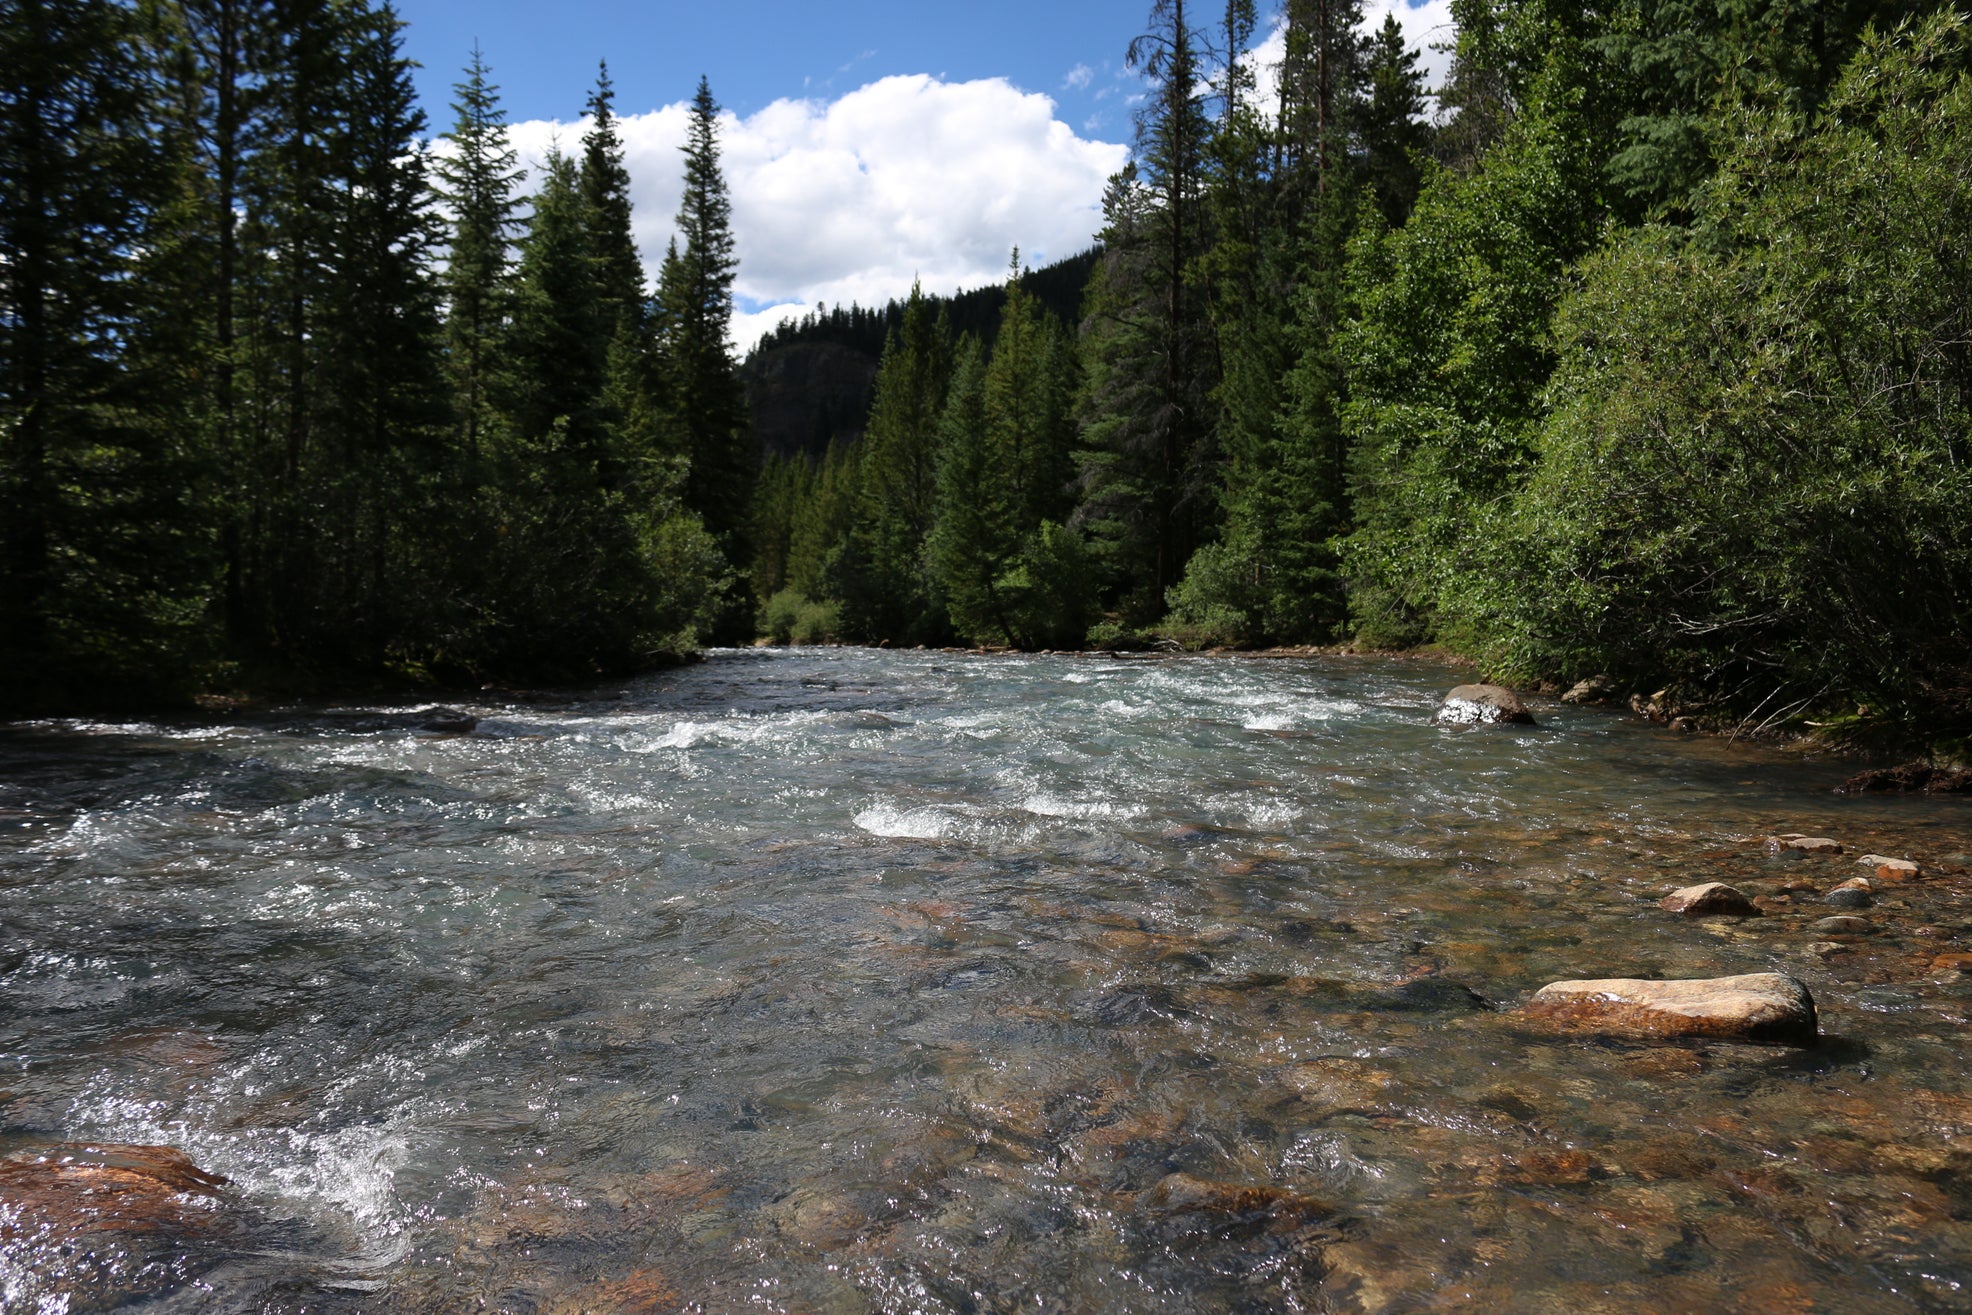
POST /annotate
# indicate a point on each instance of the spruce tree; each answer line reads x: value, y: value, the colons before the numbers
x: 478, y: 180
x: 382, y: 401
x: 972, y: 544
x: 1391, y: 124
x: 702, y: 391
x: 91, y: 499
x: 606, y: 213
x: 1150, y: 473
x: 899, y: 453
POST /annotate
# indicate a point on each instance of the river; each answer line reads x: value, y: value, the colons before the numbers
x: 846, y: 981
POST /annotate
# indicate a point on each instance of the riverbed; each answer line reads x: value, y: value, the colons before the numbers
x: 853, y: 981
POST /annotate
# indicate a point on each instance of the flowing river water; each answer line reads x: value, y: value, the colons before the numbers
x: 846, y: 981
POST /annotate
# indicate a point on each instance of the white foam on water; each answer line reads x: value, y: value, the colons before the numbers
x: 895, y: 822
x: 1275, y: 722
x: 1085, y: 810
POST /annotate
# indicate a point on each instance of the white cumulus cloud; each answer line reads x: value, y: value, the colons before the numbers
x: 851, y: 199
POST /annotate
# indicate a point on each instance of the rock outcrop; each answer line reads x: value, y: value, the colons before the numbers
x: 1482, y: 705
x: 1765, y: 1007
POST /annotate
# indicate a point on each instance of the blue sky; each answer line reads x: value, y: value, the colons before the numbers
x: 867, y: 143
x: 758, y: 51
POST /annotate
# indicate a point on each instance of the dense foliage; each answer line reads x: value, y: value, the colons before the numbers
x: 288, y: 395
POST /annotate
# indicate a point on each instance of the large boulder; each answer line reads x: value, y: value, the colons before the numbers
x: 1764, y: 1007
x: 1482, y: 705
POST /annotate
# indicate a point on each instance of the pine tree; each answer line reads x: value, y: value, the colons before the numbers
x: 479, y: 177
x: 1319, y: 78
x: 606, y: 213
x: 972, y: 543
x: 92, y: 585
x: 1150, y: 474
x: 555, y: 354
x: 382, y: 402
x: 215, y: 54
x: 1391, y: 122
x: 696, y: 307
x: 899, y: 453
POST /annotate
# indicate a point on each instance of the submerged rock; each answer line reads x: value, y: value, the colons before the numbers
x: 1596, y: 689
x: 1811, y: 844
x: 1752, y: 1007
x: 1428, y: 995
x: 1482, y: 705
x: 65, y: 1198
x: 1714, y: 899
x: 1181, y: 1193
x: 448, y: 721
x: 1842, y: 925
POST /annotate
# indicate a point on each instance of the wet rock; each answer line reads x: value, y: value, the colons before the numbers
x: 1482, y: 705
x: 642, y: 1292
x: 1765, y: 1007
x: 1530, y: 1168
x: 1181, y: 1193
x: 1889, y: 869
x: 1910, y: 778
x: 1811, y: 844
x: 1429, y: 995
x: 1596, y: 689
x: 1952, y: 963
x: 1341, y: 1084
x: 447, y: 721
x: 1714, y: 899
x: 1822, y: 949
x: 1842, y: 925
x: 63, y: 1194
x: 1854, y: 894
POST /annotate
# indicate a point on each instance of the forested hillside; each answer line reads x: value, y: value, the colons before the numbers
x: 1641, y: 348
x: 812, y: 381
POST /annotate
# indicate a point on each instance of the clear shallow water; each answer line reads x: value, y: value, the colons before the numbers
x: 846, y: 981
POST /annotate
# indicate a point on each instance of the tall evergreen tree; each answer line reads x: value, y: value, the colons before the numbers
x: 91, y: 496
x: 478, y: 178
x: 972, y: 543
x: 382, y: 400
x: 1150, y: 476
x: 1392, y: 127
x: 695, y: 294
x: 606, y: 213
x: 899, y: 486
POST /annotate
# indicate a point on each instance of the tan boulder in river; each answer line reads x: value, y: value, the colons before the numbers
x: 1752, y: 1007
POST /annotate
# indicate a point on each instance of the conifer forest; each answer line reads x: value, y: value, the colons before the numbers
x: 1641, y: 348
